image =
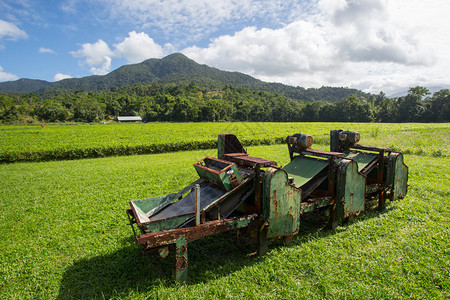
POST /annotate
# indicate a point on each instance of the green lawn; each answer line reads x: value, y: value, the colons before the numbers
x: 64, y: 233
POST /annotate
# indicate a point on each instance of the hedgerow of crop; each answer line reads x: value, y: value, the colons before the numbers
x: 66, y: 142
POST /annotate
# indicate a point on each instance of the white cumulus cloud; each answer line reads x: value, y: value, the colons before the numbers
x: 135, y: 48
x: 297, y: 47
x: 46, y: 50
x: 366, y: 44
x: 97, y: 56
x: 138, y: 47
x: 11, y: 31
x: 60, y: 76
x: 4, y: 76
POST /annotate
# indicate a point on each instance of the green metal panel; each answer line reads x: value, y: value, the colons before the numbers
x: 281, y: 205
x: 363, y: 159
x: 350, y: 188
x: 148, y: 206
x: 302, y: 169
x: 167, y: 223
x: 397, y: 175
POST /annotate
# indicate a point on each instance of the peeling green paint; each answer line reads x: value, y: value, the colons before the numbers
x: 281, y: 205
x: 350, y: 189
x: 181, y: 269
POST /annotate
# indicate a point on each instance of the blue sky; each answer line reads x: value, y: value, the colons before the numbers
x: 373, y: 45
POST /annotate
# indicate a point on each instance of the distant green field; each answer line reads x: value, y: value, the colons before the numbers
x: 64, y: 231
x: 57, y: 142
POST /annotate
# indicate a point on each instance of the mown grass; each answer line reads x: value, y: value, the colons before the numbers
x: 64, y: 235
x: 62, y: 142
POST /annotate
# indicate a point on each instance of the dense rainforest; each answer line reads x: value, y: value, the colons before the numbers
x: 192, y: 103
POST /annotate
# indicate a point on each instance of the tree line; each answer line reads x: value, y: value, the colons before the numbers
x: 192, y: 103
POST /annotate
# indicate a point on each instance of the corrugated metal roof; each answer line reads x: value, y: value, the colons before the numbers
x: 129, y: 118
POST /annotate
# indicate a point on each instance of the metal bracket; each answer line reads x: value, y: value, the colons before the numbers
x: 132, y: 221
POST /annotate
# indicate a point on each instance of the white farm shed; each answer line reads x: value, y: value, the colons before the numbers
x: 129, y: 119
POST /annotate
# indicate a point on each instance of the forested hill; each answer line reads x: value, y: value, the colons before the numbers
x: 178, y: 69
x: 24, y: 85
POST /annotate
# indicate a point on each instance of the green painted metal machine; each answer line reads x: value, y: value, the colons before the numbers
x: 385, y: 172
x: 236, y: 191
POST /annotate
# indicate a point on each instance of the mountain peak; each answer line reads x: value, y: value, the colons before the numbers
x: 176, y: 55
x: 175, y: 68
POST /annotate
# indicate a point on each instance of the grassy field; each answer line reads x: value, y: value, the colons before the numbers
x: 58, y: 142
x: 64, y: 232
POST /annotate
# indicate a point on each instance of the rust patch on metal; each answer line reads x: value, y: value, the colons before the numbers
x: 166, y: 237
x: 323, y: 153
x: 181, y: 263
x: 163, y: 252
x: 371, y: 148
x: 250, y: 161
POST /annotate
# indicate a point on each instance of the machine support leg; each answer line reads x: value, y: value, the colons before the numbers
x: 382, y: 195
x: 181, y: 266
x: 381, y: 200
x: 333, y: 222
x: 262, y: 241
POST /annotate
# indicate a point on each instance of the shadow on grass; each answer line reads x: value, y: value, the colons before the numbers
x: 125, y: 271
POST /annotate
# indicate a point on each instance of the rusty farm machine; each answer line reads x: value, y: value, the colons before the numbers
x: 238, y: 191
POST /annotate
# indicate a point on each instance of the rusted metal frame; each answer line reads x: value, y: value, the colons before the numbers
x: 258, y: 189
x: 333, y: 220
x: 378, y: 162
x: 321, y: 153
x: 181, y: 264
x: 132, y: 220
x: 203, y: 216
x: 382, y: 193
x: 160, y: 250
x: 251, y: 161
x: 167, y: 237
x: 371, y: 148
x: 165, y: 219
x: 235, y: 154
x: 229, y: 144
x: 262, y: 240
x: 134, y: 215
x: 212, y: 170
x: 197, y: 204
x: 291, y: 152
x: 331, y: 177
x: 316, y: 203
